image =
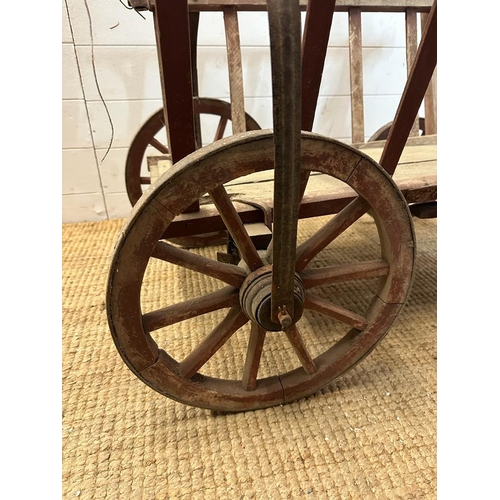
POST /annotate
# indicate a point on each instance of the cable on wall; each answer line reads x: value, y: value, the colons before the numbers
x: 95, y: 74
x: 97, y: 81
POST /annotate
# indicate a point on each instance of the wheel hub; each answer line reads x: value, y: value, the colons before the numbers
x: 255, y: 298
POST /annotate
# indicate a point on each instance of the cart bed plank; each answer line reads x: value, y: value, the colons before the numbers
x: 416, y: 176
x: 418, y: 161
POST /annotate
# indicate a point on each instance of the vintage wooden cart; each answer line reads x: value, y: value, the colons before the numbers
x: 258, y: 185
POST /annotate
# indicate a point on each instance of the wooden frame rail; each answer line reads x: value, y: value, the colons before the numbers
x: 260, y: 5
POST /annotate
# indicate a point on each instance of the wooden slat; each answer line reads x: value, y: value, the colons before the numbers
x: 411, y: 52
x: 235, y: 70
x: 356, y: 75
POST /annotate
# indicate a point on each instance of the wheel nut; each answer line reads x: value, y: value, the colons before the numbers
x: 284, y: 318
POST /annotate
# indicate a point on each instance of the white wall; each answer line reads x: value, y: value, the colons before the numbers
x: 127, y: 71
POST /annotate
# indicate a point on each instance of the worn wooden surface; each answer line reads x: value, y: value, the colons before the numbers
x: 416, y: 177
x: 417, y: 166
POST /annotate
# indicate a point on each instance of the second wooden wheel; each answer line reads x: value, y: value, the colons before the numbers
x: 145, y: 138
x: 173, y: 357
x: 383, y: 132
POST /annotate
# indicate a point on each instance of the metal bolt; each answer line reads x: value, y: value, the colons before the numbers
x: 284, y: 318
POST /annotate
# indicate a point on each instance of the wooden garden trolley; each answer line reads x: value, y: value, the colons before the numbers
x: 267, y: 280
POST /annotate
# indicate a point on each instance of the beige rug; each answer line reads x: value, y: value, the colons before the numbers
x: 369, y: 435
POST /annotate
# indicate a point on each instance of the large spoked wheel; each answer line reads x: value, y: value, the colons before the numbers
x: 146, y: 137
x: 175, y: 358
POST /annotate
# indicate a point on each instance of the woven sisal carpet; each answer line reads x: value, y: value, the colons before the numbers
x: 369, y: 435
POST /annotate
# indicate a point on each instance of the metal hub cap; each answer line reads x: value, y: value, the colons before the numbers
x: 255, y: 298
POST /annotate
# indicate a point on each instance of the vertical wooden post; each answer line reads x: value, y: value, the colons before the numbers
x: 171, y: 20
x: 194, y: 21
x: 356, y: 65
x: 411, y: 52
x: 430, y: 95
x: 235, y: 70
x: 317, y: 27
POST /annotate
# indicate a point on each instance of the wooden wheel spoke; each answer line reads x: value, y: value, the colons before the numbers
x: 331, y: 230
x: 252, y: 362
x: 221, y: 128
x: 229, y: 273
x: 344, y: 272
x: 158, y: 145
x: 304, y: 178
x: 145, y: 180
x: 322, y: 306
x: 300, y: 349
x: 234, y: 320
x: 235, y: 226
x: 226, y: 297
